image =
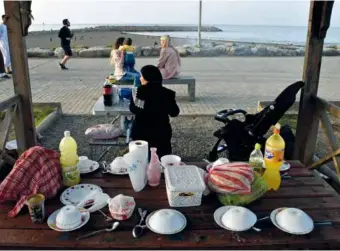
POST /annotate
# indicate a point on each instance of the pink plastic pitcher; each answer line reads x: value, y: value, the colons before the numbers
x: 154, y: 169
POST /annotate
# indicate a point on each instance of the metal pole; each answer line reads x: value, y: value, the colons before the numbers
x: 199, y: 23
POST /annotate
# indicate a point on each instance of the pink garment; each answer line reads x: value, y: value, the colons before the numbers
x: 169, y: 63
x: 117, y: 59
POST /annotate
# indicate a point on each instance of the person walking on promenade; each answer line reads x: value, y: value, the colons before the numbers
x: 65, y: 36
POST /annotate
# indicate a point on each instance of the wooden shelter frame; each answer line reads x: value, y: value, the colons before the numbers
x: 311, y: 109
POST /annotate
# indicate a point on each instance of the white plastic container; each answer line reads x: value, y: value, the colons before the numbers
x: 184, y: 186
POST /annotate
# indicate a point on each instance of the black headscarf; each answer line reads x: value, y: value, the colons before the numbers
x: 152, y: 75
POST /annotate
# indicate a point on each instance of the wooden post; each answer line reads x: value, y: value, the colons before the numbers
x: 307, y: 125
x: 199, y: 23
x: 24, y: 122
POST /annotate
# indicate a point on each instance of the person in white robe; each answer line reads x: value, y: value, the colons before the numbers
x: 4, y: 47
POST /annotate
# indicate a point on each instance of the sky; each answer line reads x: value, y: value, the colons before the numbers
x: 285, y: 13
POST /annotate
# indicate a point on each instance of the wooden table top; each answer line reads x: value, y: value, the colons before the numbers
x: 303, y: 190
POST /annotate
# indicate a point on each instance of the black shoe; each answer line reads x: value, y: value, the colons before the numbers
x: 10, y: 72
x: 63, y: 67
x: 5, y: 77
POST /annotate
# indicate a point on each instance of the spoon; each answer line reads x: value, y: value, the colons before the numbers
x: 104, y: 167
x: 107, y: 218
x: 137, y: 231
x: 114, y: 226
x: 257, y: 229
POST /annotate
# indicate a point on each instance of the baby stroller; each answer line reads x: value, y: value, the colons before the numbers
x: 240, y: 137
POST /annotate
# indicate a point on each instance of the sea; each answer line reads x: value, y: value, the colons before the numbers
x: 239, y: 33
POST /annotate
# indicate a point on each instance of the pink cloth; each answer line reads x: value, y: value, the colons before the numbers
x: 169, y: 63
x: 117, y: 59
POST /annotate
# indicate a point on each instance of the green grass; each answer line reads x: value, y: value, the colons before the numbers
x: 39, y: 112
x: 289, y: 119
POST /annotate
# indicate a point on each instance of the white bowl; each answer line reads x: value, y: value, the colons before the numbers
x: 170, y: 160
x: 294, y: 220
x: 238, y: 219
x: 84, y: 162
x: 118, y: 165
x: 68, y: 217
x: 166, y: 221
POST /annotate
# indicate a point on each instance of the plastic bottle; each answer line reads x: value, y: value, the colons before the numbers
x: 273, y: 159
x: 154, y: 169
x: 107, y: 94
x: 115, y: 94
x: 256, y: 158
x: 69, y: 160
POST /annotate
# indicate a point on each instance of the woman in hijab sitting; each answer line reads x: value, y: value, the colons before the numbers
x: 152, y: 106
x: 169, y: 62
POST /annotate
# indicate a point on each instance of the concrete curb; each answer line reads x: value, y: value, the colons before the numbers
x: 50, y: 119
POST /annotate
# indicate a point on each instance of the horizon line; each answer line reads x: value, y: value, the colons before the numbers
x: 174, y: 24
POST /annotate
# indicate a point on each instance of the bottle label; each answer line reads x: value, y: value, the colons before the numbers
x: 71, y: 176
x: 274, y: 154
x: 107, y: 91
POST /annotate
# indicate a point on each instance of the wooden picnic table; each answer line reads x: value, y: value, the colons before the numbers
x: 304, y: 190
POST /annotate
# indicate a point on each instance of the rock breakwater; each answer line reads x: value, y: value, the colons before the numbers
x: 207, y: 50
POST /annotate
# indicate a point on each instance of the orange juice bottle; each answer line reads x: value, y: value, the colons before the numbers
x: 273, y: 159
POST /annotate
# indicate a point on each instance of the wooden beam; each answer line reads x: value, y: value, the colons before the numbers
x: 325, y: 159
x: 5, y: 126
x: 307, y: 126
x: 24, y: 122
x: 328, y: 130
x: 330, y: 107
x: 4, y: 105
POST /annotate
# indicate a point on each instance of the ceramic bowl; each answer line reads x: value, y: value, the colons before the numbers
x: 166, y: 221
x: 84, y: 162
x: 68, y: 217
x: 238, y: 219
x: 118, y: 165
x: 294, y: 220
x: 170, y: 160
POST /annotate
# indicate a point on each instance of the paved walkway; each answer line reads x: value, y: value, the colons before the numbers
x: 220, y: 82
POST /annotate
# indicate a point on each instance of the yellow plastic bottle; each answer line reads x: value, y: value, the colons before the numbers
x: 273, y: 159
x: 69, y: 160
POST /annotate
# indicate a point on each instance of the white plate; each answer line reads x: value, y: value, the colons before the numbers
x: 92, y: 168
x: 273, y: 219
x: 218, y: 217
x: 75, y: 194
x: 51, y: 221
x: 285, y: 166
x: 170, y: 232
x: 118, y: 171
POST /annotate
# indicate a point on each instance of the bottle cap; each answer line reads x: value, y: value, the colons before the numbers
x: 257, y: 146
x: 277, y: 128
x: 67, y: 134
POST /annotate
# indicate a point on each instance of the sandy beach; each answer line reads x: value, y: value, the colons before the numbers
x: 106, y: 36
x: 95, y: 38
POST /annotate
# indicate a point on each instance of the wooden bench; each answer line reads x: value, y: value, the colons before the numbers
x: 183, y: 80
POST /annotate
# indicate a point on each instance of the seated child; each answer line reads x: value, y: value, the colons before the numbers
x: 129, y: 58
